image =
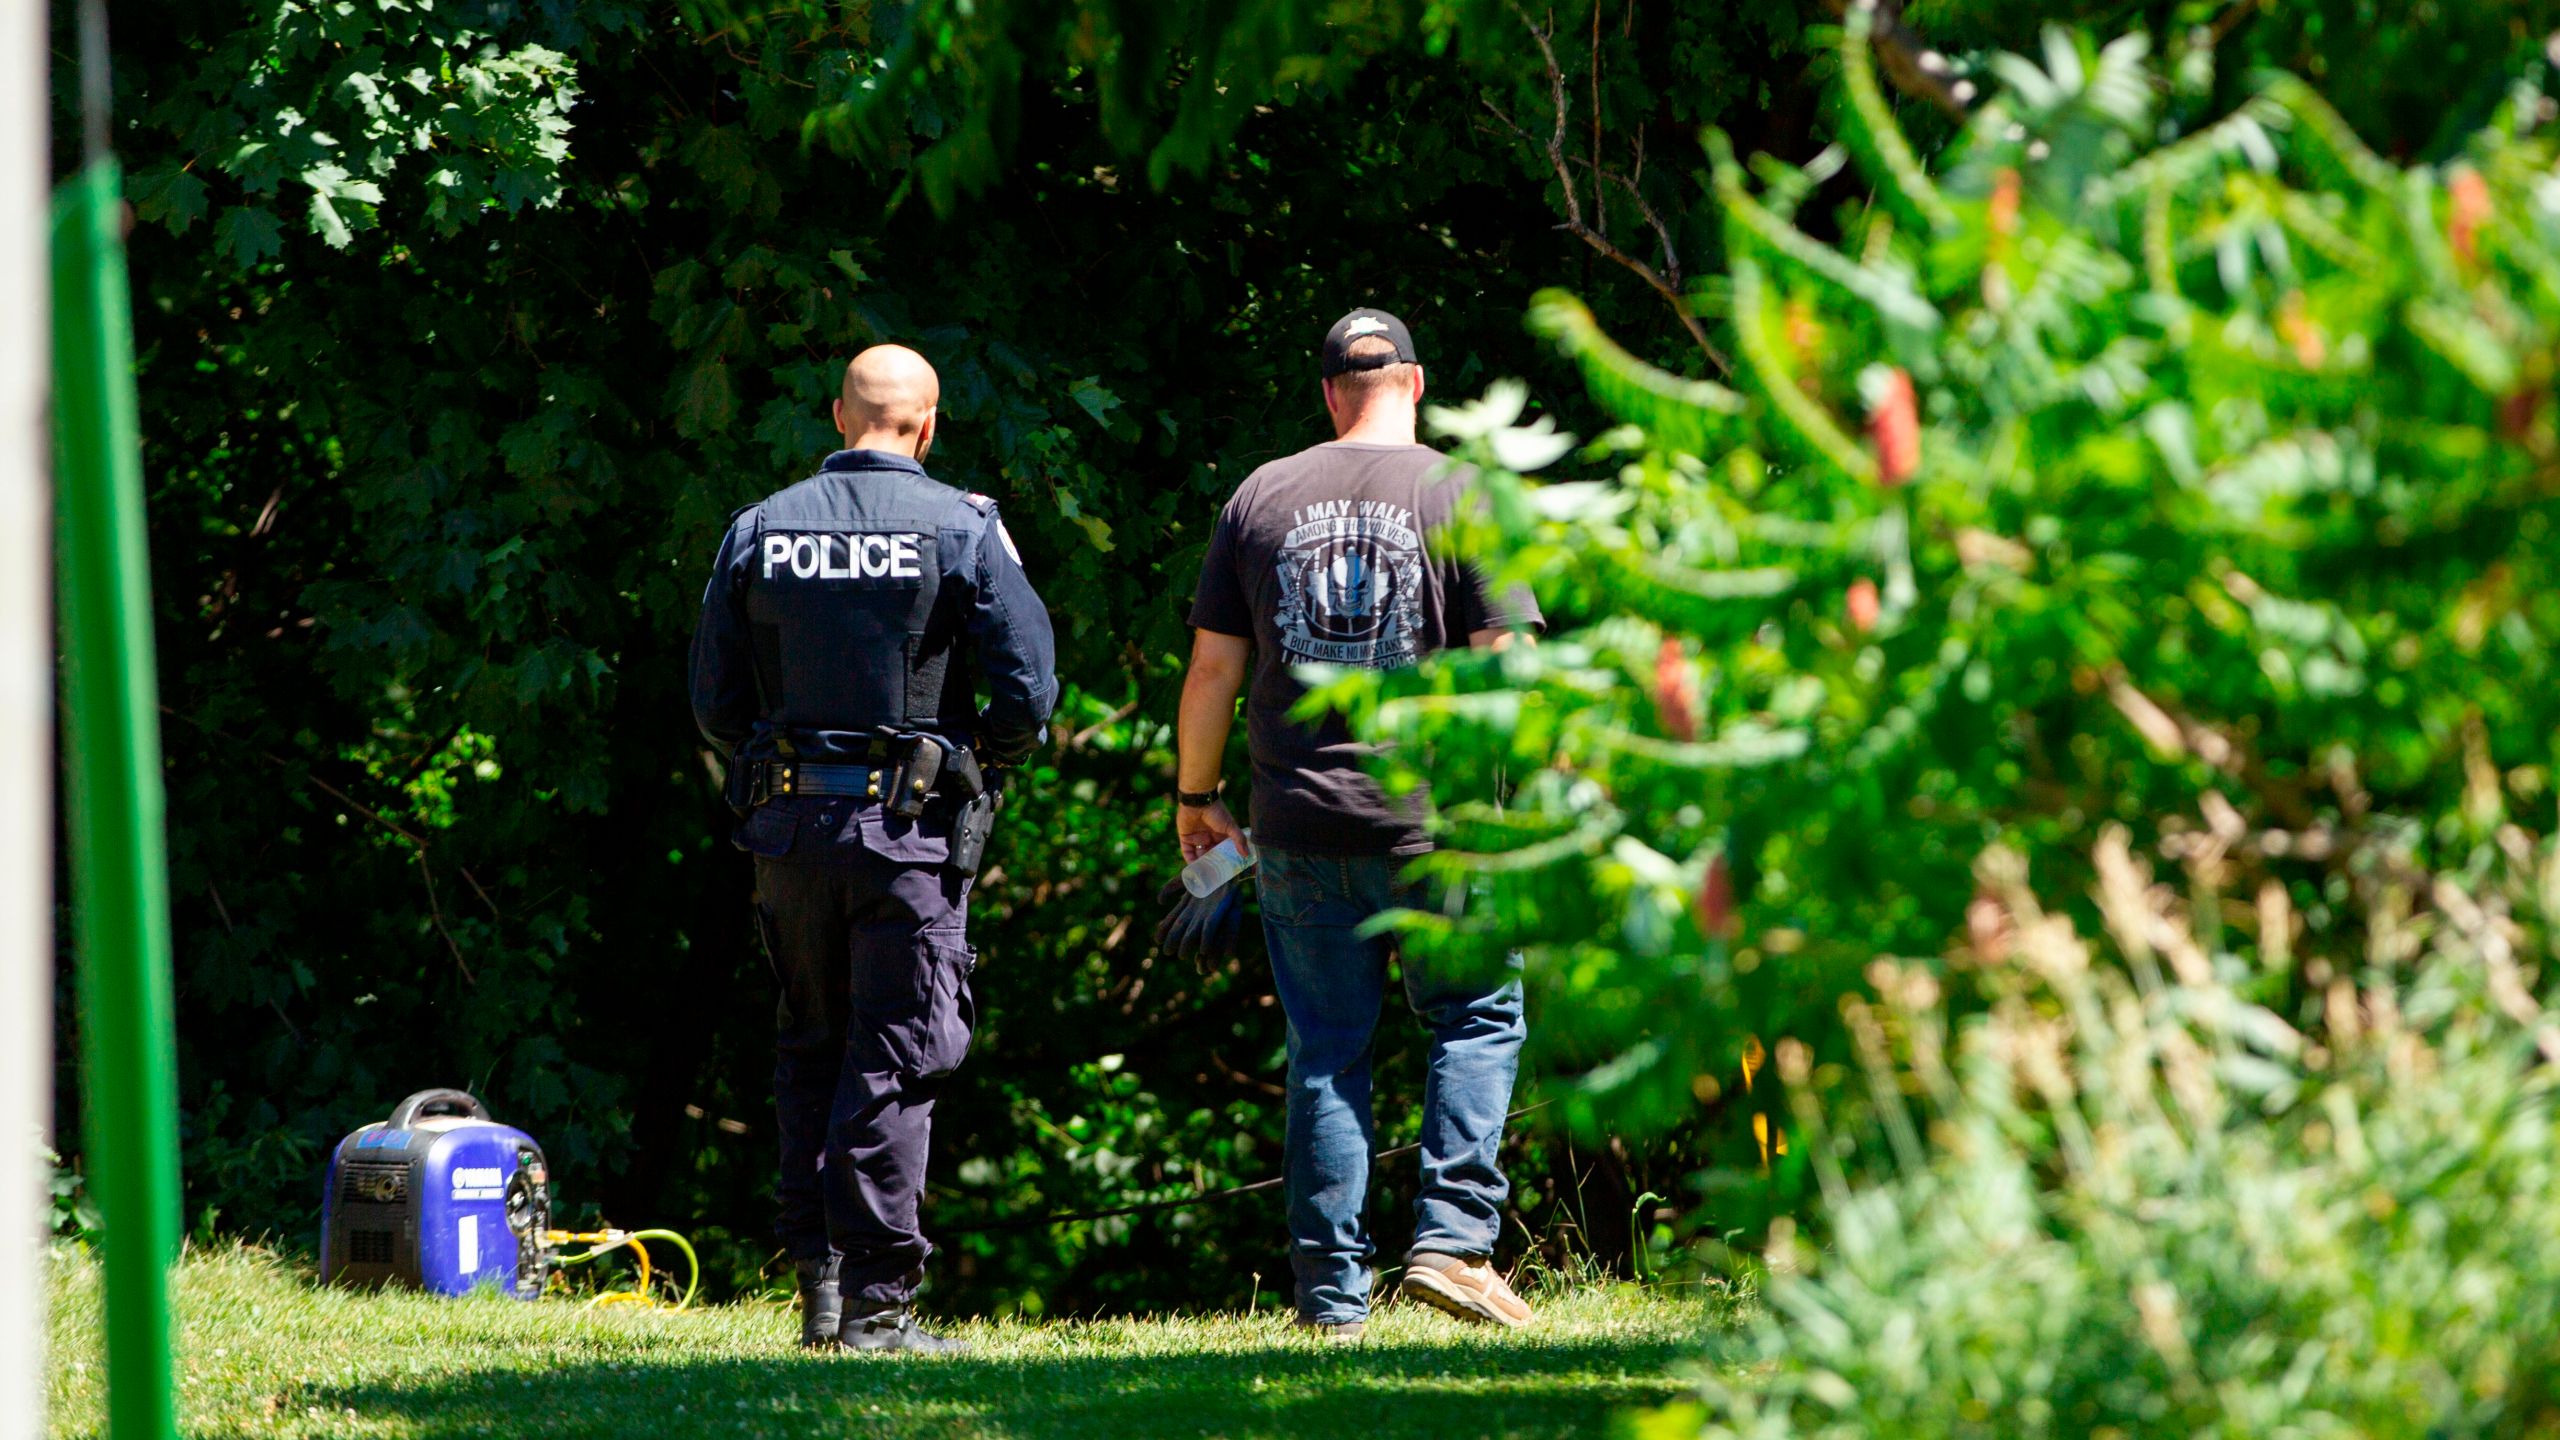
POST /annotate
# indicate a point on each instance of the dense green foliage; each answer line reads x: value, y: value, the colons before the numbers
x: 2226, y: 485
x: 2151, y: 1207
x: 2141, y: 476
x: 464, y: 326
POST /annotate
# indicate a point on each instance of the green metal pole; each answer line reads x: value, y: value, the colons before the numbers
x: 111, y: 750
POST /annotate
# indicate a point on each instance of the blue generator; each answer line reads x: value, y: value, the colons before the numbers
x: 439, y: 1197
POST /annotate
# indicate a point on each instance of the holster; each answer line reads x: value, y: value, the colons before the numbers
x: 970, y: 829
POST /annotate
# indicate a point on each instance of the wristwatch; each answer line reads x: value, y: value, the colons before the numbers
x: 1198, y: 799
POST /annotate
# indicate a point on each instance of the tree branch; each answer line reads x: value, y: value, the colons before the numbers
x: 214, y: 893
x: 354, y: 804
x: 435, y: 912
x: 1667, y: 285
x: 2240, y: 13
x: 1652, y: 217
x: 494, y: 912
x: 1914, y: 68
x: 1600, y: 198
x: 417, y: 842
x: 1083, y: 737
x: 1555, y: 140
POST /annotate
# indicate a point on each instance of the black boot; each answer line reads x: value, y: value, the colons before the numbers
x: 821, y: 1306
x: 895, y: 1329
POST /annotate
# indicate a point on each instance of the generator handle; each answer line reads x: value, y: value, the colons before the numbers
x: 460, y: 1102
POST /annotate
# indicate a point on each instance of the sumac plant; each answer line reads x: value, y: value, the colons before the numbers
x: 2129, y: 464
x: 2147, y: 1206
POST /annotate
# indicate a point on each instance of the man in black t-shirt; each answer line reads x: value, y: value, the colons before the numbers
x: 1330, y: 555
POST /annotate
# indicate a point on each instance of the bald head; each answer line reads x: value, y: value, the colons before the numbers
x: 888, y: 403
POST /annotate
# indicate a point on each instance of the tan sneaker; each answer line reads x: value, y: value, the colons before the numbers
x: 1468, y: 1289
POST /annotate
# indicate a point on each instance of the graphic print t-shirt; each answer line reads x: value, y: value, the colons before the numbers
x: 1329, y: 556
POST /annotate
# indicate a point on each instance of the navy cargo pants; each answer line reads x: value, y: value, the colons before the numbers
x: 864, y: 923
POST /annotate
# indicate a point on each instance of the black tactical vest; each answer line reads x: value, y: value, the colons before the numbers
x: 843, y: 585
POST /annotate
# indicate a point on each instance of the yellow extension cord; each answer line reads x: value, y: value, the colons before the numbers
x: 604, y: 1242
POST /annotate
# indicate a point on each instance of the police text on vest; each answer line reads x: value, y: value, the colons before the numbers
x: 844, y: 557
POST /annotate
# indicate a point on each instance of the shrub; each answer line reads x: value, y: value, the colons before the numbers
x: 2147, y: 1206
x: 2140, y: 481
x: 2136, y: 462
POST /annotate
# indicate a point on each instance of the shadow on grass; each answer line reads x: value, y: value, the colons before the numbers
x: 1366, y: 1392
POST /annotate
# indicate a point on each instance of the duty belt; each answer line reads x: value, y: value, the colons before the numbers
x: 920, y: 767
x: 925, y: 766
x: 798, y: 777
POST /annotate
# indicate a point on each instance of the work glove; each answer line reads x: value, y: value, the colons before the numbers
x: 1200, y: 928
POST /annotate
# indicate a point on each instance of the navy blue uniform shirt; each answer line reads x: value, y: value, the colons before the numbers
x: 871, y: 594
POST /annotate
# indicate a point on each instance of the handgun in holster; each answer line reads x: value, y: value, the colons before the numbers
x: 983, y: 796
x: 929, y: 766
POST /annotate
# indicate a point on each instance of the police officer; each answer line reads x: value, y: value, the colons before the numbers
x: 844, y: 624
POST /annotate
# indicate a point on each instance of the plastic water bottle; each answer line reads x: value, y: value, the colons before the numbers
x: 1205, y: 876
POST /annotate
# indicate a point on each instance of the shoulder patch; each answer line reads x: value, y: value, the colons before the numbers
x: 983, y: 504
x: 1007, y: 537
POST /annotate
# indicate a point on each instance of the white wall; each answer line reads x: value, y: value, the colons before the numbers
x: 26, y: 715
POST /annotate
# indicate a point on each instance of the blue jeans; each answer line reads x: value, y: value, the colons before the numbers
x: 1332, y: 985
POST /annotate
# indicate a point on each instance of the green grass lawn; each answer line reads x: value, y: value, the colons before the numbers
x: 264, y: 1351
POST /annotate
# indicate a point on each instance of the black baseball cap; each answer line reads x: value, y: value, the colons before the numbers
x: 1364, y: 322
